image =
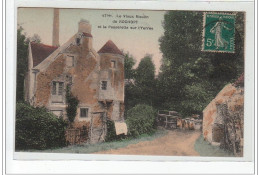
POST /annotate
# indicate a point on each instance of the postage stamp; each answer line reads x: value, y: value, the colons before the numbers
x: 219, y: 32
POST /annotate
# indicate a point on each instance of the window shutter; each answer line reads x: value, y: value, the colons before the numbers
x: 53, y: 88
x: 61, y: 86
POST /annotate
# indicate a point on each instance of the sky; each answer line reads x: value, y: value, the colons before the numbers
x: 137, y: 42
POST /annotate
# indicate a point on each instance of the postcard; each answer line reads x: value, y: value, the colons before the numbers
x: 129, y: 87
x: 130, y: 82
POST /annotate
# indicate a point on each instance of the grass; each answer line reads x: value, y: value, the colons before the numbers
x: 87, y: 148
x: 204, y: 148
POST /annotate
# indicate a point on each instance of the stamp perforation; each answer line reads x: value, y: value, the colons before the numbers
x: 204, y: 32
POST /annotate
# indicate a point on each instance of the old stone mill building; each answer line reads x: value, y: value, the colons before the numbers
x: 95, y: 78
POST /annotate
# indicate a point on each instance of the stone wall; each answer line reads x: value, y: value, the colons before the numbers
x: 113, y: 76
x: 229, y: 95
x: 83, y: 78
x: 233, y: 122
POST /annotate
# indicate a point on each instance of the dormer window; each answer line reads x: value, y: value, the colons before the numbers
x: 78, y: 41
x: 104, y: 85
x: 113, y: 64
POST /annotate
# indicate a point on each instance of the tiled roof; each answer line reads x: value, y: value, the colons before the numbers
x: 239, y: 81
x: 110, y: 47
x: 87, y: 34
x: 40, y: 52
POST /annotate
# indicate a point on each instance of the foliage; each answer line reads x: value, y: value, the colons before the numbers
x: 128, y: 66
x: 111, y: 132
x: 190, y: 78
x: 72, y: 105
x: 131, y: 96
x: 145, y: 71
x: 129, y: 78
x: 140, y: 120
x: 35, y: 38
x: 89, y: 148
x: 182, y: 36
x: 142, y: 89
x: 145, y: 81
x: 35, y: 128
x: 22, y: 60
x: 22, y: 52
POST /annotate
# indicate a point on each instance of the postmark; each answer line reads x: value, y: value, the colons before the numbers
x: 219, y: 32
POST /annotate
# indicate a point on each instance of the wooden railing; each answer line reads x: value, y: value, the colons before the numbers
x: 167, y: 119
x: 76, y: 136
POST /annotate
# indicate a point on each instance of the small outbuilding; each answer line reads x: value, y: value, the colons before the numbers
x: 224, y: 115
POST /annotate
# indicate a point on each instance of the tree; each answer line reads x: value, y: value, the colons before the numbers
x: 145, y: 72
x: 35, y: 38
x: 189, y: 77
x: 129, y: 64
x: 22, y: 62
x: 129, y: 85
x: 141, y: 88
x: 72, y: 105
x: 145, y: 81
x: 182, y: 36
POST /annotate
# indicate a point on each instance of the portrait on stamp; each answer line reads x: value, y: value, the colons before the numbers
x: 130, y: 82
x: 219, y: 32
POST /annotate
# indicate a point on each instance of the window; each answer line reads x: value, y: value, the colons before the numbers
x: 57, y: 88
x: 104, y: 85
x: 78, y: 41
x: 54, y: 88
x: 61, y: 87
x: 83, y: 112
x: 113, y: 64
x: 70, y: 61
x: 57, y: 92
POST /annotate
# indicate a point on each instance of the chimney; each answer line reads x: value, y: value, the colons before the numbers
x: 55, y: 32
x: 84, y: 26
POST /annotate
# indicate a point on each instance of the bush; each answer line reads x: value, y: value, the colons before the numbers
x: 141, y: 120
x: 35, y: 128
x: 111, y: 132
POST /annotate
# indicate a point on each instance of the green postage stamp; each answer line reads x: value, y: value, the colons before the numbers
x: 219, y: 32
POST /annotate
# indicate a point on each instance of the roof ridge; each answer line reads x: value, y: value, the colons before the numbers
x: 40, y: 52
x: 32, y: 42
x: 110, y: 47
x: 87, y: 34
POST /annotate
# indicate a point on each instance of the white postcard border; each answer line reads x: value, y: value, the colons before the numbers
x: 165, y: 163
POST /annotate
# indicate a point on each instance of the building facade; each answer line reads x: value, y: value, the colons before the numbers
x: 95, y: 78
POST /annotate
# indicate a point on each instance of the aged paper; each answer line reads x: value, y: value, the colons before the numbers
x: 176, y: 77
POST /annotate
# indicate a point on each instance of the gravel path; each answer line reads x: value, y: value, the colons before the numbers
x: 175, y: 143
